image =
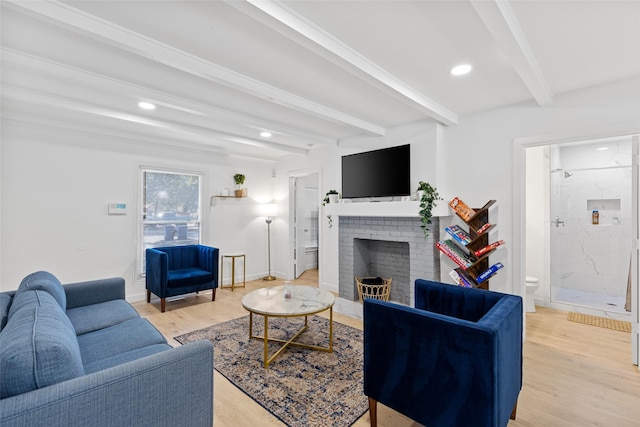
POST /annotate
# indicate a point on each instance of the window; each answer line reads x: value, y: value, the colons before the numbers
x: 171, y: 211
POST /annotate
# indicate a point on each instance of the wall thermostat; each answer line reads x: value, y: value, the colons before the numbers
x: 117, y: 208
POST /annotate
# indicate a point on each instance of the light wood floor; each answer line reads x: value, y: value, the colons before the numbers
x: 574, y: 374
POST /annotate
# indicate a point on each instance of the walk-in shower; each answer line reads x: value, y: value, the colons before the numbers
x: 581, y: 224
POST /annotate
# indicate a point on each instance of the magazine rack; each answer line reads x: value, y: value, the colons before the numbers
x: 474, y: 266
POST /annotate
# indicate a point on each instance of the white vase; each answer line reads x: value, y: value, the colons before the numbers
x: 333, y: 198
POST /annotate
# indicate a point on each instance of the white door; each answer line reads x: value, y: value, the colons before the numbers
x: 299, y: 227
x: 635, y: 253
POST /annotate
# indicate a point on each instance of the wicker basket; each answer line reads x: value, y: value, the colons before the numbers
x: 373, y: 287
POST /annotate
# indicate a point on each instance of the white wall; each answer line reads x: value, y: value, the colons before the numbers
x: 537, y: 218
x: 474, y: 160
x: 479, y: 153
x: 425, y: 147
x: 56, y: 186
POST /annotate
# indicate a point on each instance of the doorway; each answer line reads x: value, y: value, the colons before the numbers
x: 305, y: 207
x: 579, y: 223
x: 521, y: 196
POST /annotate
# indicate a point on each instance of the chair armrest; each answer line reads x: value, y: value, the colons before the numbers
x: 174, y: 387
x: 156, y: 270
x: 505, y: 320
x: 454, y: 301
x: 94, y: 291
x: 411, y: 356
x: 208, y: 259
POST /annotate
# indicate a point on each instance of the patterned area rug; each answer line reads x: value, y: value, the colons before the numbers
x: 603, y: 322
x: 301, y: 387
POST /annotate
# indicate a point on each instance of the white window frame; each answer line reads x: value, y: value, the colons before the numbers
x: 142, y: 168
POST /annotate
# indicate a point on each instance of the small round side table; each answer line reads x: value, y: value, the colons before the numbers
x: 233, y: 256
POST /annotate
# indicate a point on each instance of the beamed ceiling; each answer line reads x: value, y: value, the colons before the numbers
x: 312, y: 73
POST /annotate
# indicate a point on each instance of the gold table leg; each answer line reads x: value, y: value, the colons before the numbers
x: 291, y: 341
x: 233, y: 273
x: 265, y: 358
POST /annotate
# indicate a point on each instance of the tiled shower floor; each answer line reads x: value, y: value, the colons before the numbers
x: 592, y: 299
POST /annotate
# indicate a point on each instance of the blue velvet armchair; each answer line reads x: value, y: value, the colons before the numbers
x: 178, y: 270
x: 453, y: 360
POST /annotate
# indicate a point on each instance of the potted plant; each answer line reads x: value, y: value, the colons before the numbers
x: 330, y: 197
x: 428, y: 197
x: 239, y: 180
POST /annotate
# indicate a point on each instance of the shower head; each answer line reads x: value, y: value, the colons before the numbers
x: 567, y: 174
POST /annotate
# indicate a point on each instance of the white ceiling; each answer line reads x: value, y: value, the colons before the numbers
x: 313, y: 73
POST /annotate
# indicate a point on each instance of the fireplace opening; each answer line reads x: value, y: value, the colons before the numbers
x: 386, y: 259
x: 415, y: 258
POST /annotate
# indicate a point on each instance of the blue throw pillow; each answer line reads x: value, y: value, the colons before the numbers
x: 38, y: 345
x: 44, y: 281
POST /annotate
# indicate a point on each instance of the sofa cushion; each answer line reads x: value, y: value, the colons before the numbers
x: 5, y: 304
x: 47, y: 282
x: 123, y: 337
x: 92, y: 317
x: 188, y: 276
x: 125, y: 357
x: 38, y: 345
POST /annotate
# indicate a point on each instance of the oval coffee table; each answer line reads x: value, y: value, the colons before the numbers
x: 304, y: 301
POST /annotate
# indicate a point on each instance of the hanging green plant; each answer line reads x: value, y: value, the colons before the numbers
x: 331, y: 194
x: 428, y: 198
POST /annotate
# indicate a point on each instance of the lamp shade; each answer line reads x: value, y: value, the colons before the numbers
x: 268, y: 209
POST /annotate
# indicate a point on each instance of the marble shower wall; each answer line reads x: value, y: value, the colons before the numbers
x: 585, y: 256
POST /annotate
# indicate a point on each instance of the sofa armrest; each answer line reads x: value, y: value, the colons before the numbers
x: 174, y: 387
x: 94, y: 291
x: 412, y: 355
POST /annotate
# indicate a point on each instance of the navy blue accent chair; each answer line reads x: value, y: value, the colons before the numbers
x: 178, y: 270
x: 454, y: 360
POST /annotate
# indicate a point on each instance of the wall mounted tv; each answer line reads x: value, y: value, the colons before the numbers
x: 378, y: 173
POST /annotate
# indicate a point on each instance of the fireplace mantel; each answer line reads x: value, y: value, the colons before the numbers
x: 407, y: 209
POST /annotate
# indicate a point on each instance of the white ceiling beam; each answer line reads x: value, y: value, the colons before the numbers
x: 88, y: 133
x: 225, y: 120
x: 189, y: 132
x: 501, y: 21
x: 366, y: 69
x: 130, y: 41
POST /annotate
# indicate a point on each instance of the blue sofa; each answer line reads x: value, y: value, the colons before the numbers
x: 80, y: 355
x: 454, y: 360
x: 179, y: 270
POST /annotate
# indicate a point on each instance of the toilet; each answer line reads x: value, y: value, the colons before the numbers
x: 532, y: 283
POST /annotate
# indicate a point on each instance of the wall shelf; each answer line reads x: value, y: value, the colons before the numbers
x: 214, y: 199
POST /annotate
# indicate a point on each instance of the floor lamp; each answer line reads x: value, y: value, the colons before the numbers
x: 269, y: 210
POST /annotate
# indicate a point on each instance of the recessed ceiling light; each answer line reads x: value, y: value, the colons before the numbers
x: 146, y: 106
x: 602, y: 148
x: 265, y: 134
x: 461, y: 70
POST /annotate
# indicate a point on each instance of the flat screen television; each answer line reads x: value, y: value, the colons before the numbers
x: 378, y: 173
